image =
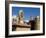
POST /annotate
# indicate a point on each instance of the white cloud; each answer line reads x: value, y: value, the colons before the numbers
x: 14, y: 16
x: 26, y: 20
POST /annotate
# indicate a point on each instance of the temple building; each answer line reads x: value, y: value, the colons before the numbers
x: 20, y: 25
x: 37, y: 23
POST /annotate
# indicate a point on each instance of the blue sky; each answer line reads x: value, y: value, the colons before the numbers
x: 28, y: 11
